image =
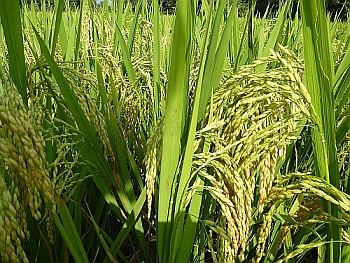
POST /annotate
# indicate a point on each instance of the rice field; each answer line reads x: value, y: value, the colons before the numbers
x: 207, y: 135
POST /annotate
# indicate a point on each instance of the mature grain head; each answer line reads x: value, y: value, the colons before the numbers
x: 23, y: 164
x: 258, y: 114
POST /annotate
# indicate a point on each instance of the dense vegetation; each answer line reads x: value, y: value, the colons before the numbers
x: 131, y: 135
x: 334, y: 7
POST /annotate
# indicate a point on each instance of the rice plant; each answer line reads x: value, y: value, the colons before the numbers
x: 207, y: 135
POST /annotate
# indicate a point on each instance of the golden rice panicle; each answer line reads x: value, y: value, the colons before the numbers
x: 132, y: 102
x: 265, y: 179
x: 263, y: 233
x: 24, y: 167
x: 87, y: 29
x: 258, y: 112
x: 84, y: 86
x: 310, y: 190
x: 61, y: 169
x: 231, y: 199
x: 49, y: 227
x: 267, y: 176
x: 28, y: 157
x: 13, y: 225
x: 152, y: 164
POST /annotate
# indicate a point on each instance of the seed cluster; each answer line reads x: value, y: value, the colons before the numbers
x: 152, y: 163
x: 13, y: 223
x: 258, y: 110
x: 84, y: 86
x: 309, y: 191
x: 24, y: 177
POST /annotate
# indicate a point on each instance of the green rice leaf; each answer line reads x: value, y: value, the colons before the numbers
x: 173, y: 131
x: 319, y: 75
x: 68, y: 231
x: 11, y: 23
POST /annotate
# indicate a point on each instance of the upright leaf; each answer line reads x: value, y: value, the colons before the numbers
x: 175, y: 109
x: 318, y: 76
x: 11, y: 23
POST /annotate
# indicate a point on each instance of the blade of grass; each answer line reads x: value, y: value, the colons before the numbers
x: 342, y: 92
x: 341, y: 82
x: 54, y: 37
x: 189, y: 229
x: 69, y: 56
x: 62, y: 37
x: 78, y: 37
x: 156, y: 57
x: 175, y: 110
x: 101, y: 238
x: 126, y: 54
x: 129, y: 223
x: 234, y: 40
x: 11, y: 22
x: 210, y: 63
x: 133, y: 27
x: 69, y: 232
x: 319, y: 75
x: 277, y: 29
x: 251, y: 30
